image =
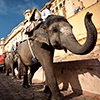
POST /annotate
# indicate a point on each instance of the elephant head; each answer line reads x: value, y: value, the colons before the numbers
x: 58, y: 33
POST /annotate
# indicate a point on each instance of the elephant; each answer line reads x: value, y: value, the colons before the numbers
x: 56, y: 33
x: 11, y: 62
x: 26, y: 61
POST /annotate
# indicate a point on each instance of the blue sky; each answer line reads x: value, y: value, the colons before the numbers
x: 11, y: 13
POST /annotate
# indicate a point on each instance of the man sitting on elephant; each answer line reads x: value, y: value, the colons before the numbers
x: 36, y: 18
x: 47, y: 11
x: 15, y: 47
x: 31, y: 21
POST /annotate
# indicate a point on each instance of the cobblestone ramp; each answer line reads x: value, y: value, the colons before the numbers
x: 11, y: 89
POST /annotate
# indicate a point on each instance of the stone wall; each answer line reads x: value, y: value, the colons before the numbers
x: 81, y: 76
x: 88, y: 3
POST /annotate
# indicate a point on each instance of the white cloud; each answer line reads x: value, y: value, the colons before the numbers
x: 3, y: 7
x: 28, y: 4
x: 19, y: 8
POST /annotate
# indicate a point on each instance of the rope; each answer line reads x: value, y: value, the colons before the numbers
x: 34, y: 58
x: 30, y: 48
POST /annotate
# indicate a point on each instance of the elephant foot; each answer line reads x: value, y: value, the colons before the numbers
x: 57, y: 97
x: 7, y: 75
x: 25, y: 86
x: 4, y: 71
x: 19, y: 77
x: 13, y: 77
x: 47, y: 89
x: 30, y: 82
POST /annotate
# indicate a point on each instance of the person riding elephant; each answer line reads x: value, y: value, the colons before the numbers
x: 46, y: 12
x: 31, y: 21
x: 15, y: 46
x: 55, y: 33
x: 35, y: 18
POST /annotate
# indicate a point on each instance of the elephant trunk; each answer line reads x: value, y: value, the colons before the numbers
x: 72, y: 44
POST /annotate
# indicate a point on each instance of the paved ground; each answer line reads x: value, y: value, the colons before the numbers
x: 11, y: 89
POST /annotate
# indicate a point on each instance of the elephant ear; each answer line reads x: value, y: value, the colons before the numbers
x: 41, y: 36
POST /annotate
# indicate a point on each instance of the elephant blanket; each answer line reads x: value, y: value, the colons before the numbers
x: 2, y: 59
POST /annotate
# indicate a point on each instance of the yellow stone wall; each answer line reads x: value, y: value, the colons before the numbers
x: 77, y: 21
x: 87, y: 3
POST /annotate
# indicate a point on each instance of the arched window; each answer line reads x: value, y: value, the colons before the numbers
x: 60, y: 5
x: 56, y: 8
x: 53, y: 11
x: 64, y: 2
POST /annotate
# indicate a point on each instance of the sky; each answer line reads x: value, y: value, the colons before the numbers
x: 11, y: 13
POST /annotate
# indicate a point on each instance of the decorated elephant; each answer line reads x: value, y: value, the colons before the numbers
x: 55, y: 33
x: 11, y: 62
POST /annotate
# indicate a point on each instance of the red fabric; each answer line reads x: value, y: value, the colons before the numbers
x: 2, y: 58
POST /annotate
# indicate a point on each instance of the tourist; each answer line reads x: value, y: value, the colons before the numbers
x: 47, y: 11
x: 31, y: 21
x: 15, y: 46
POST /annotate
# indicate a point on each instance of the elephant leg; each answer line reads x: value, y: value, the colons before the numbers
x: 1, y: 69
x: 25, y: 80
x: 52, y: 84
x: 13, y: 72
x: 8, y: 71
x: 19, y: 69
x: 19, y: 73
x: 30, y: 78
x: 45, y: 55
x: 4, y: 69
x: 32, y: 71
x: 46, y: 59
x: 46, y: 88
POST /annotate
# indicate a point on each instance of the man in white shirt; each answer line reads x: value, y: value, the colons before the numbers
x: 15, y: 46
x: 47, y: 11
x: 32, y: 19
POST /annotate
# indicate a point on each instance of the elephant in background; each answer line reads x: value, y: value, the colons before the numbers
x: 11, y: 62
x: 55, y: 33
